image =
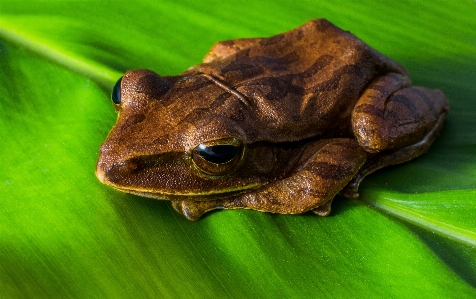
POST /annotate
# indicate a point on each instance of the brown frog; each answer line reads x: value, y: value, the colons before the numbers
x: 279, y: 124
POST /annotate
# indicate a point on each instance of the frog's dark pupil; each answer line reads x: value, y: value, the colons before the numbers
x: 116, y: 92
x: 218, y: 154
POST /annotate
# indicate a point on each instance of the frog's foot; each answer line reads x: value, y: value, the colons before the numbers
x: 392, y: 157
x: 324, y: 209
x: 352, y: 189
x: 310, y: 189
x: 193, y: 210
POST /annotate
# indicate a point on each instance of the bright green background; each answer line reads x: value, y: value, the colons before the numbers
x: 412, y: 233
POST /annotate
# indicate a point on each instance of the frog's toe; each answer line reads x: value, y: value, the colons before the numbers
x: 193, y: 210
x: 351, y: 190
x: 324, y: 209
x: 189, y: 209
x: 186, y: 209
x: 192, y: 214
x: 177, y: 205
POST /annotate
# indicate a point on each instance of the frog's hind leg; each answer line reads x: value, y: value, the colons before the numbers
x: 391, y: 158
x: 395, y: 122
x: 330, y: 167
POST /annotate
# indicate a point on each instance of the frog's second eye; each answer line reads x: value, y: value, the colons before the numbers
x: 218, y: 157
x: 116, y: 92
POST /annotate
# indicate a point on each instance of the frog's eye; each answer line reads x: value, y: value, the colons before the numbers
x: 218, y: 157
x: 116, y: 92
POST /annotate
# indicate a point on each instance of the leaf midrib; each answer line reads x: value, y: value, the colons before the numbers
x: 394, y: 204
x: 101, y: 74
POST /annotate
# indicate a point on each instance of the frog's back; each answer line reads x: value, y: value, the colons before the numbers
x: 299, y: 84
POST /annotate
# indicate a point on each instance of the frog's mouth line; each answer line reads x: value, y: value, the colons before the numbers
x: 164, y: 195
x: 197, y: 196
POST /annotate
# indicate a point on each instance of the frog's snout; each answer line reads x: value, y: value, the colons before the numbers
x: 100, y: 174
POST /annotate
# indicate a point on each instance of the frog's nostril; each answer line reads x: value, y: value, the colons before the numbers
x: 122, y: 169
x: 118, y: 172
x: 131, y: 165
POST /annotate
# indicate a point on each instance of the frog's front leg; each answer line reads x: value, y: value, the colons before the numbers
x: 396, y: 122
x: 312, y: 187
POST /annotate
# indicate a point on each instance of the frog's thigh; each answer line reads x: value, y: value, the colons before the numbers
x: 391, y: 114
x: 392, y: 157
x: 311, y: 188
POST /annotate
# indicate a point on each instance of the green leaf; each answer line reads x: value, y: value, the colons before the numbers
x: 411, y: 234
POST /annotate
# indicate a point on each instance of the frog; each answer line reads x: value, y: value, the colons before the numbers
x: 282, y: 124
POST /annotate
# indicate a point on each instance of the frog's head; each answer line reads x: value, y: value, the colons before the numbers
x: 177, y: 136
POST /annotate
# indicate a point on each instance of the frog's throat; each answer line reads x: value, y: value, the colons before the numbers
x: 222, y: 85
x: 198, y: 196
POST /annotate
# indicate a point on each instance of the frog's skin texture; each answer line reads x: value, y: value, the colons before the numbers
x: 302, y: 116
